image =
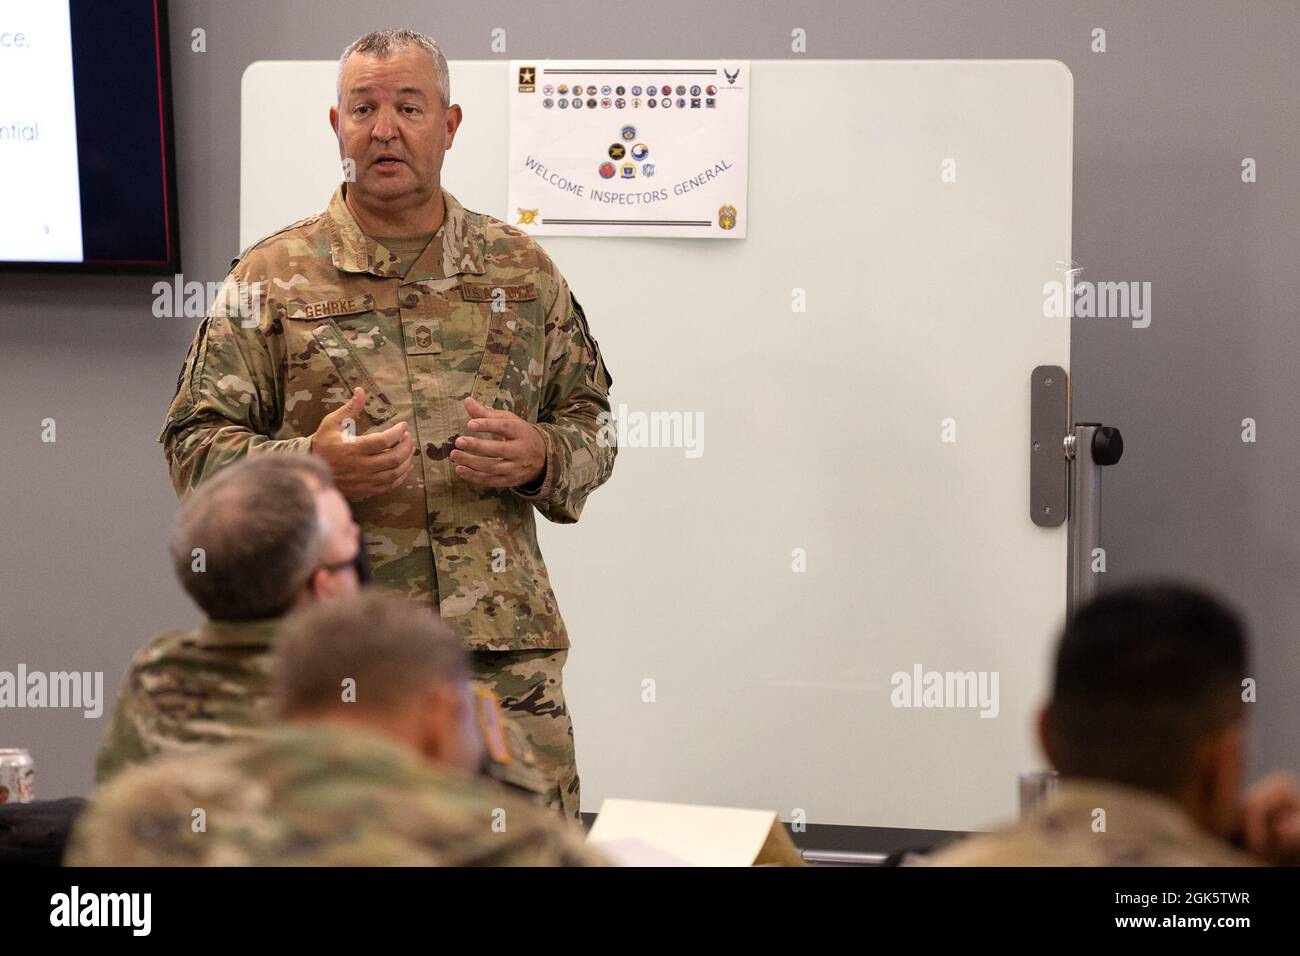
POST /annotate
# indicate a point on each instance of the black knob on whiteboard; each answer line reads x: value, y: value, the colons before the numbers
x: 1107, y: 445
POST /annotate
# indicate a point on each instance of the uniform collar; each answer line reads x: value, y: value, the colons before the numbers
x: 459, y: 252
x: 1128, y: 811
x: 362, y: 747
x: 237, y: 633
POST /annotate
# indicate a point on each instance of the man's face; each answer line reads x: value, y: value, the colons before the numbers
x: 468, y: 751
x: 391, y: 122
x: 342, y: 543
x: 447, y: 730
x: 1228, y: 782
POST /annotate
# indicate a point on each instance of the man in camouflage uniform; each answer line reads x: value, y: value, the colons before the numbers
x: 435, y: 358
x: 1146, y: 728
x: 372, y: 765
x: 259, y: 540
x: 273, y: 533
x: 1142, y: 829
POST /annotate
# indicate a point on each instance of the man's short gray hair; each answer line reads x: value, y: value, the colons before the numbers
x: 384, y: 43
x: 260, y: 534
x: 393, y: 650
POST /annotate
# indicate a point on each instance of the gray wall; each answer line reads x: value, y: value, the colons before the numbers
x: 1162, y: 121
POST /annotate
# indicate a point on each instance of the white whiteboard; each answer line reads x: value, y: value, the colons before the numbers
x: 822, y: 432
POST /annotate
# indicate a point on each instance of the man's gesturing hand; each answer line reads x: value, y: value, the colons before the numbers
x: 513, y: 455
x: 366, y: 465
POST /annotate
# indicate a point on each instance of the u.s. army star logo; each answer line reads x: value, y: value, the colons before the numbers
x: 527, y: 79
x: 527, y: 217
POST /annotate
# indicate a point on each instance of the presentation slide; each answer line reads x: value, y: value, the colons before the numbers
x: 39, y: 183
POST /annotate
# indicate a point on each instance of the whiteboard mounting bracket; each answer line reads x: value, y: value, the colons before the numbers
x: 1049, y: 426
x: 1065, y: 463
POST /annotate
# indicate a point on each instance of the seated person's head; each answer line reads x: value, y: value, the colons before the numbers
x: 1148, y: 692
x: 378, y: 662
x: 274, y: 533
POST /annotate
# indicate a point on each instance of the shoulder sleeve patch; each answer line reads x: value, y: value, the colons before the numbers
x: 597, y: 367
x: 491, y: 725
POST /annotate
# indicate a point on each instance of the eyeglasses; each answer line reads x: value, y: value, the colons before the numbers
x: 358, y: 562
x: 337, y: 566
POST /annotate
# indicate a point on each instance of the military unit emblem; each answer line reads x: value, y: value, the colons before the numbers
x: 618, y: 151
x: 656, y: 96
x: 727, y: 216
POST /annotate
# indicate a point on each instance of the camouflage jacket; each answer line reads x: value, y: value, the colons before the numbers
x: 1140, y: 829
x: 320, y: 308
x: 192, y: 690
x: 316, y: 795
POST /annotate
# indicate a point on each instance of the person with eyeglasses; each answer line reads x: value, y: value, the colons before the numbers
x: 258, y: 541
x: 268, y: 536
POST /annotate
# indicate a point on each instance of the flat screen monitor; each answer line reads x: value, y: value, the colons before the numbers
x: 87, y: 167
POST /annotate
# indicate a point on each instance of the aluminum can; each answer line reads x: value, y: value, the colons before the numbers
x: 17, y: 776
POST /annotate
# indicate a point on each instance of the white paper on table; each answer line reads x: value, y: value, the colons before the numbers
x: 636, y: 832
